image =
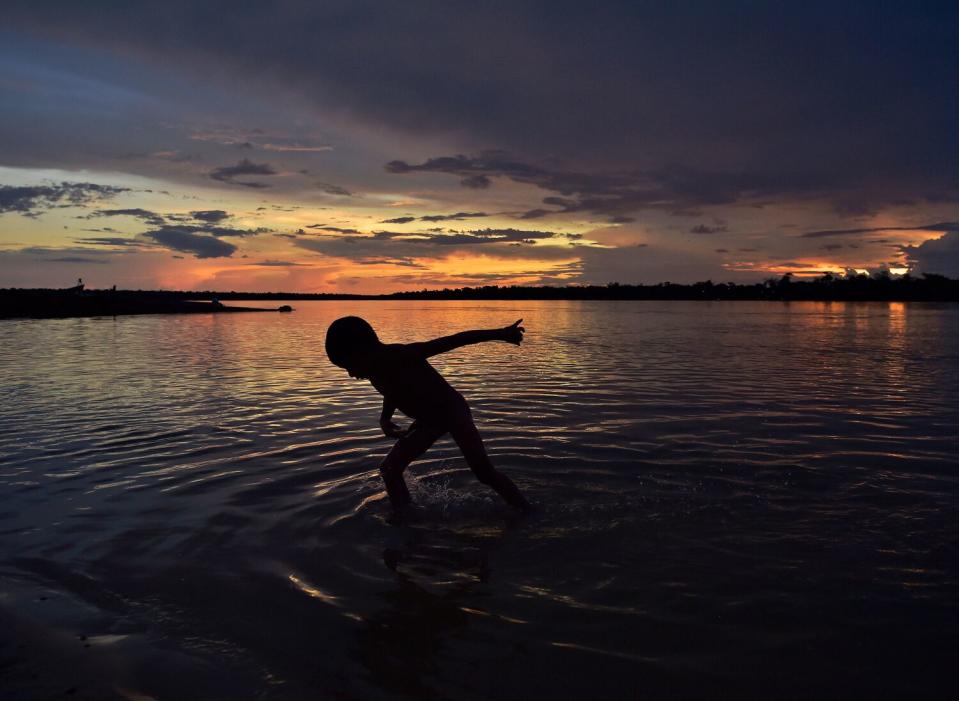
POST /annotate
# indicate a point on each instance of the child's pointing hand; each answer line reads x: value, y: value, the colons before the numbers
x: 514, y: 332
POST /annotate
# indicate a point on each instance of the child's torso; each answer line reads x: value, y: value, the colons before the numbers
x: 413, y: 385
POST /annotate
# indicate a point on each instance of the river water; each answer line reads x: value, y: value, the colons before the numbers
x: 735, y: 500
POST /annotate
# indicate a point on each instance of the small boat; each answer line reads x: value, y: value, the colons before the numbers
x: 285, y: 308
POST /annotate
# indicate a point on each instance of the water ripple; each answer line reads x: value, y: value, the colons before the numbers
x: 720, y: 486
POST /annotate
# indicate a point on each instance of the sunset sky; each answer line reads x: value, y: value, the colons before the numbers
x: 377, y: 146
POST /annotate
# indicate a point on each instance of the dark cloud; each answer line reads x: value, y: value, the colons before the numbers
x: 487, y: 164
x: 407, y: 245
x: 535, y: 214
x: 46, y: 254
x: 608, y: 110
x: 476, y: 182
x: 174, y: 156
x: 940, y: 256
x: 453, y: 217
x: 831, y: 246
x: 613, y: 88
x: 211, y: 216
x: 475, y: 238
x: 186, y: 240
x: 72, y: 259
x: 335, y: 229
x: 558, y: 275
x: 458, y: 216
x: 472, y: 237
x: 203, y: 241
x: 228, y: 174
x: 704, y: 229
x: 222, y: 230
x: 617, y: 195
x: 113, y: 242
x: 143, y: 215
x: 390, y: 260
x: 939, y: 226
x: 32, y: 200
x: 330, y: 189
x: 279, y: 264
x: 292, y: 148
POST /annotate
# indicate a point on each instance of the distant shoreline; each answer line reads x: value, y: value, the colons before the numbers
x: 45, y: 303
x: 59, y: 304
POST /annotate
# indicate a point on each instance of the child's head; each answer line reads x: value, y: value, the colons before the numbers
x: 348, y: 339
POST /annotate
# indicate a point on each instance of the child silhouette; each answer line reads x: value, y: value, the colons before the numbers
x: 401, y: 373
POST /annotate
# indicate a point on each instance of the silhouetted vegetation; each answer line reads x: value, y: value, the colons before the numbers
x: 882, y: 287
x: 827, y: 287
x: 75, y: 303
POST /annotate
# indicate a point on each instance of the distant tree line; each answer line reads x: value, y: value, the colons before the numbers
x: 881, y: 287
x: 828, y: 287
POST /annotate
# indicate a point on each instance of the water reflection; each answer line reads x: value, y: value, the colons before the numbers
x: 401, y: 645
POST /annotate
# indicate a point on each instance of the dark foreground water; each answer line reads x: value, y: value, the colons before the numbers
x: 737, y: 500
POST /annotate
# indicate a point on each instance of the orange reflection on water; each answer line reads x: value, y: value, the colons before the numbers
x: 312, y: 591
x: 487, y: 614
x: 894, y: 365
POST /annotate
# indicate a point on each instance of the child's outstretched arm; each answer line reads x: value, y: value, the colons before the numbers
x: 511, y: 334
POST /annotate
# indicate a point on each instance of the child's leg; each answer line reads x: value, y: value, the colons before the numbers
x: 468, y: 439
x: 406, y: 450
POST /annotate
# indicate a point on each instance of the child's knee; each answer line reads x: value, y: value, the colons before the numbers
x: 458, y: 414
x: 390, y: 468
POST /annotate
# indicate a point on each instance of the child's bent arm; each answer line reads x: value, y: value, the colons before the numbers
x: 427, y: 349
x: 390, y: 429
x: 388, y: 409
